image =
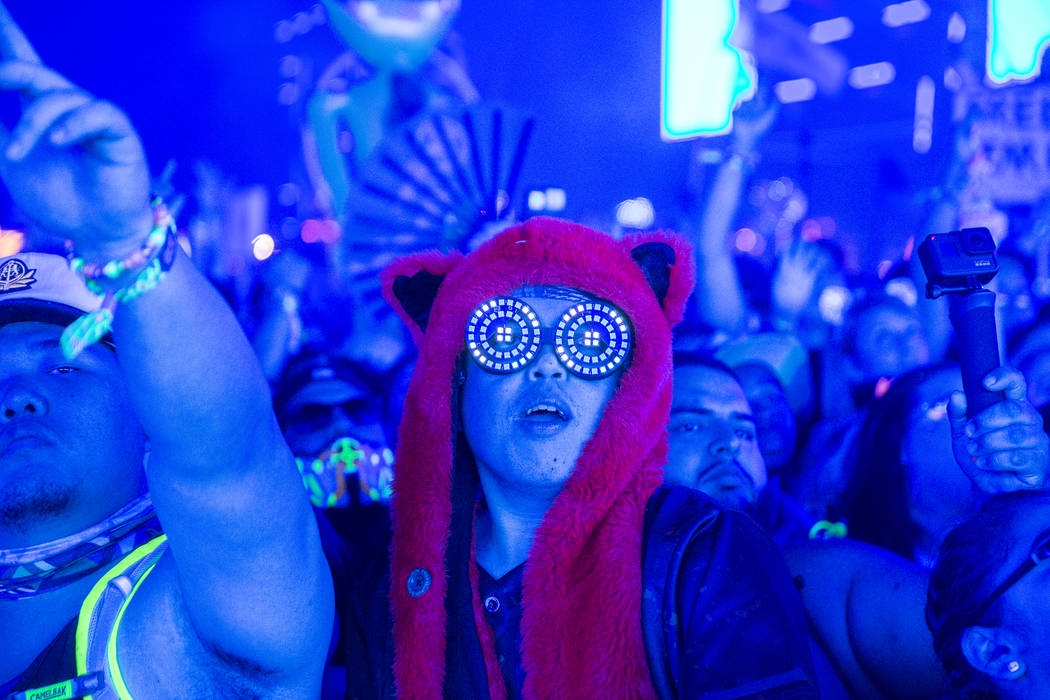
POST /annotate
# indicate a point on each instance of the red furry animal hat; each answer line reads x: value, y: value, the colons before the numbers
x: 582, y: 591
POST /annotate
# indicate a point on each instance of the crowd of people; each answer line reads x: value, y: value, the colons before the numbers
x: 590, y: 465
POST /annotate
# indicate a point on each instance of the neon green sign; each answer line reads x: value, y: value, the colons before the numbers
x: 704, y: 77
x: 1018, y: 33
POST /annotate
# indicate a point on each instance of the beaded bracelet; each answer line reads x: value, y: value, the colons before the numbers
x: 157, y: 258
x: 163, y: 222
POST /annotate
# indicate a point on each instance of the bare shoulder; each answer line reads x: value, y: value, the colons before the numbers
x: 161, y: 655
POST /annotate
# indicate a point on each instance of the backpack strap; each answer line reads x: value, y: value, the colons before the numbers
x: 101, y: 613
x: 673, y: 516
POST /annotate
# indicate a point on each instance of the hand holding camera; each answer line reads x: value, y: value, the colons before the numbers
x: 960, y: 263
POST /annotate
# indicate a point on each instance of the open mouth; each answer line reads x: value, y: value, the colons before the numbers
x: 545, y: 417
x: 545, y: 412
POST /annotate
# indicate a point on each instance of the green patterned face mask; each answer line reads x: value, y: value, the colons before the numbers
x: 27, y: 571
x: 325, y: 476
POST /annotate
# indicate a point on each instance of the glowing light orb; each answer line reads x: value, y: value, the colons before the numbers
x: 263, y: 246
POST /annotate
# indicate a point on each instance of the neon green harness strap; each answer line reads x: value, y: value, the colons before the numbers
x: 90, y: 611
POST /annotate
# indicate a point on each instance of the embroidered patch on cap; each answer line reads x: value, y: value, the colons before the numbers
x: 15, y: 275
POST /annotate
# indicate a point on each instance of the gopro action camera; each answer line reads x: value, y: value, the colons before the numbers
x: 958, y: 261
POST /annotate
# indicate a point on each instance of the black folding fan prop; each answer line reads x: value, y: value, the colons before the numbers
x: 436, y: 182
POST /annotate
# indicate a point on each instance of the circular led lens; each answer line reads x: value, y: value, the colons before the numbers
x: 592, y: 339
x: 503, y: 335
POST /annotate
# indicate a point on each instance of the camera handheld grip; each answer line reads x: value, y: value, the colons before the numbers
x: 973, y: 317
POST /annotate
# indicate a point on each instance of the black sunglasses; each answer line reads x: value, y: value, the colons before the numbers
x: 314, y: 416
x: 1040, y: 553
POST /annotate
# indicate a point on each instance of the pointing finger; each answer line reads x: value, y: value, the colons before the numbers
x: 108, y: 130
x: 39, y: 116
x: 31, y: 78
x: 13, y: 42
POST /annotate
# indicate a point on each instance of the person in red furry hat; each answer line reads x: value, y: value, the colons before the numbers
x: 535, y: 553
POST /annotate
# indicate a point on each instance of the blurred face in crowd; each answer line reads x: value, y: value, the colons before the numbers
x: 889, y: 342
x: 527, y: 428
x: 774, y: 419
x: 327, y: 409
x: 939, y: 494
x: 713, y: 440
x: 71, y: 448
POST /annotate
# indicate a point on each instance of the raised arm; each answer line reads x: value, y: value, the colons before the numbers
x: 245, y: 583
x: 720, y: 298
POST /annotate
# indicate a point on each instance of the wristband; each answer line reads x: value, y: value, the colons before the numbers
x: 92, y: 273
x: 827, y: 530
x: 157, y: 258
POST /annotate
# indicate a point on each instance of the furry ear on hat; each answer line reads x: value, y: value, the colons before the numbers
x: 669, y: 268
x: 417, y: 294
x: 656, y: 260
x: 411, y: 284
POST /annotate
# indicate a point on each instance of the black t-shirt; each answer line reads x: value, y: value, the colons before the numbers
x: 739, y: 623
x: 355, y: 542
x: 501, y: 603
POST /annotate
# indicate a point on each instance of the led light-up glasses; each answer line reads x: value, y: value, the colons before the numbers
x: 591, y: 339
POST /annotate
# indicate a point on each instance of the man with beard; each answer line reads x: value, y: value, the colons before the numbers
x: 714, y: 447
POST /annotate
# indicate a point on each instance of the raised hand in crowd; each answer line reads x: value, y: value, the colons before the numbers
x: 72, y: 162
x: 795, y: 278
x: 752, y: 121
x: 281, y: 288
x: 719, y: 295
x: 239, y: 536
